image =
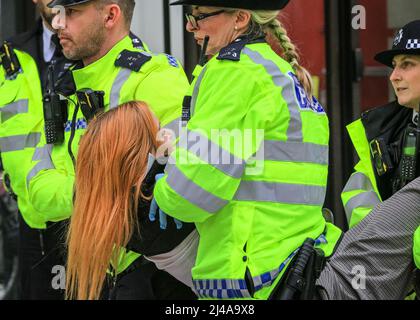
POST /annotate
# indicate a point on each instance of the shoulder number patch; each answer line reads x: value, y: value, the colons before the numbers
x: 132, y: 60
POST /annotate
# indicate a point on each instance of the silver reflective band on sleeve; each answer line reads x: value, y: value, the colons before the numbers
x: 295, y: 152
x: 358, y: 181
x: 280, y: 193
x: 294, y: 132
x: 13, y: 109
x: 174, y: 126
x: 363, y: 200
x: 197, y: 89
x: 192, y: 192
x: 121, y: 78
x: 43, y: 155
x: 211, y: 153
x: 20, y: 142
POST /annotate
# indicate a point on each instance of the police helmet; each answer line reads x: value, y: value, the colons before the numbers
x: 65, y: 3
x: 407, y: 41
x: 239, y: 4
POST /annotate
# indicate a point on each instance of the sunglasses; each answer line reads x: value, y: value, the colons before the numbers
x: 194, y: 19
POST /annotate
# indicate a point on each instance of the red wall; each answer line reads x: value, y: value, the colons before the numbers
x: 374, y: 90
x: 305, y: 23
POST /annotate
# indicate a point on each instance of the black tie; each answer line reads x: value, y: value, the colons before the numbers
x: 58, y: 49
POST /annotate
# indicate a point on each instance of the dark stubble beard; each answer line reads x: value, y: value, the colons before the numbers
x: 89, y: 45
x: 45, y: 13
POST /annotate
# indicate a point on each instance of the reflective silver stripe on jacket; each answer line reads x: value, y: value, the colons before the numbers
x: 295, y: 152
x: 174, y: 126
x: 281, y: 80
x: 192, y: 192
x: 43, y: 155
x: 281, y: 193
x: 212, y: 154
x: 367, y: 199
x: 20, y: 142
x: 13, y: 109
x: 120, y: 80
x: 358, y: 181
x: 197, y: 89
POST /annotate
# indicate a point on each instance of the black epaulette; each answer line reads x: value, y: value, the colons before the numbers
x: 9, y: 61
x: 233, y: 51
x: 137, y: 43
x: 132, y: 60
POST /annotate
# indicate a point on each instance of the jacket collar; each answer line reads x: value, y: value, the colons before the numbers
x: 100, y: 70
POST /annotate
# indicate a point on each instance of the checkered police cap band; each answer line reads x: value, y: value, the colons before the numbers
x: 406, y: 41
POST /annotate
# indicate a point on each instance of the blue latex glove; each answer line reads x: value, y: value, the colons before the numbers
x: 162, y: 215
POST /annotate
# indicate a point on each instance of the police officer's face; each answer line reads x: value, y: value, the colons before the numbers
x: 220, y: 28
x: 45, y: 12
x: 406, y: 80
x: 83, y: 32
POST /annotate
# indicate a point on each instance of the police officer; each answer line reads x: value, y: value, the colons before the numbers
x: 382, y: 138
x: 386, y: 131
x: 251, y: 167
x: 115, y: 68
x: 24, y: 60
x: 379, y: 135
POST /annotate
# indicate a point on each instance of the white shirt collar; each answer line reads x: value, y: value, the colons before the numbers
x: 49, y: 46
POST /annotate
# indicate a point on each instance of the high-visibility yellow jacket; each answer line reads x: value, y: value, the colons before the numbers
x: 250, y: 170
x: 159, y: 80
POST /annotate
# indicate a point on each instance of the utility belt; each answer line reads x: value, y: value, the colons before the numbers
x: 299, y: 279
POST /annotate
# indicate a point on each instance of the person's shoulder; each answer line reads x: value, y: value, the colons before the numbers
x: 249, y: 57
x: 145, y: 61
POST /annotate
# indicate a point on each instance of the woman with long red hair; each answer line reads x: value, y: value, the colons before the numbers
x: 111, y: 166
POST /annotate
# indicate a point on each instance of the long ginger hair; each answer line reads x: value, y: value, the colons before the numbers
x: 110, y: 168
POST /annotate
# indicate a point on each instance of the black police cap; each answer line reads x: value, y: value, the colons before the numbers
x: 239, y: 4
x: 407, y: 41
x: 65, y: 3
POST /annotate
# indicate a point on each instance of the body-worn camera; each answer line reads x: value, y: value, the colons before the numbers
x: 9, y: 60
x: 91, y: 102
x: 380, y: 155
x: 55, y: 111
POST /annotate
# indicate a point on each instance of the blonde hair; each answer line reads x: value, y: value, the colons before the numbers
x: 267, y: 21
x: 110, y: 169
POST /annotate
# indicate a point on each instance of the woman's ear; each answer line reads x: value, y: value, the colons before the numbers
x: 242, y: 19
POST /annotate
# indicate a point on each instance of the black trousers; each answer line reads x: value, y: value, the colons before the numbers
x: 145, y: 282
x: 41, y: 261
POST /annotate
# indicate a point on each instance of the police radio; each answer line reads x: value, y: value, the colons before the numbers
x: 409, y: 167
x: 55, y: 111
x: 409, y: 163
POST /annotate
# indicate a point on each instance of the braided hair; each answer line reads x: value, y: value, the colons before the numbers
x: 267, y: 21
